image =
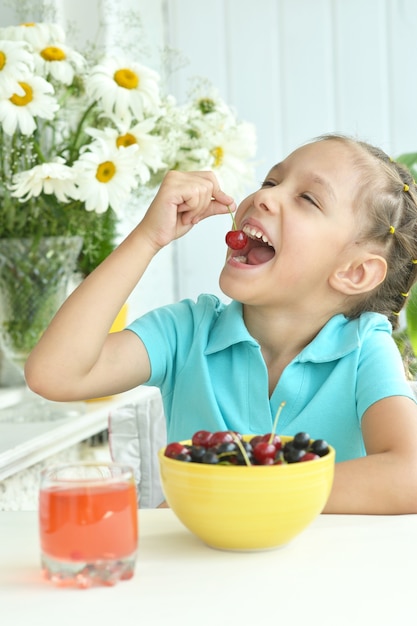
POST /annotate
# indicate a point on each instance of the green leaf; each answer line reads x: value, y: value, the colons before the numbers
x: 409, y: 159
x: 411, y: 318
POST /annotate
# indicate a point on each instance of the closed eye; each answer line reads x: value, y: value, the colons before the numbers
x: 268, y: 183
x: 307, y: 197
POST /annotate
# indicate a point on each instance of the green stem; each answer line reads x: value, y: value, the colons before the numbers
x: 241, y: 448
x: 38, y: 151
x: 73, y: 147
x: 274, y: 427
x: 233, y: 218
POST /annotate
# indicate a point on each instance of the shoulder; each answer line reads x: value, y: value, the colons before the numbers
x: 182, y: 316
x: 341, y: 336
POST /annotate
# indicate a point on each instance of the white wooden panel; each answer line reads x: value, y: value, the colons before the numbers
x: 253, y: 53
x: 307, y: 72
x: 361, y: 79
x: 197, y: 30
x: 401, y: 68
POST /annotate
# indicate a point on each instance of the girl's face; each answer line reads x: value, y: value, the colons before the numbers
x: 301, y: 227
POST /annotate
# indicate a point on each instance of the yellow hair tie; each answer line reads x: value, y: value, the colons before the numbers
x: 396, y: 313
x: 404, y: 295
x: 392, y: 230
x: 414, y: 261
x: 406, y: 188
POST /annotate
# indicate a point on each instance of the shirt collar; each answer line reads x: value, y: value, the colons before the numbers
x: 338, y: 337
x: 228, y: 329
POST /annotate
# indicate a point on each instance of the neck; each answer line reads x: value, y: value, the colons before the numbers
x: 281, y: 335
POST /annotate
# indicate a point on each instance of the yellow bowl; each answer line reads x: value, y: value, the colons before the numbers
x: 247, y: 508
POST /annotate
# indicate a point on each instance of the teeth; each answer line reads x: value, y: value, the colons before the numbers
x: 254, y: 233
x: 240, y: 259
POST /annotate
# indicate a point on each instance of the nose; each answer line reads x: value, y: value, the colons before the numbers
x: 267, y: 199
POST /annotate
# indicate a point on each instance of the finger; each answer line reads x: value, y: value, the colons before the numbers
x: 223, y: 198
x: 214, y: 208
x: 217, y: 193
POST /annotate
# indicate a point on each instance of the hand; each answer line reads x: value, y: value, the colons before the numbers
x: 184, y: 199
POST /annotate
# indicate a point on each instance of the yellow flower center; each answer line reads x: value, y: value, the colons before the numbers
x: 218, y: 154
x: 2, y: 60
x: 21, y: 101
x: 105, y: 171
x: 123, y: 141
x: 53, y: 53
x: 28, y: 24
x: 126, y: 78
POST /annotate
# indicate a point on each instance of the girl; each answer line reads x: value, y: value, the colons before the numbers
x: 330, y: 257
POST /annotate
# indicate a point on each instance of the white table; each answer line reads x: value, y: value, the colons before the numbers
x: 342, y: 570
x: 23, y: 444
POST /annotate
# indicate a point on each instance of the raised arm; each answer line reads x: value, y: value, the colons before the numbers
x: 76, y: 357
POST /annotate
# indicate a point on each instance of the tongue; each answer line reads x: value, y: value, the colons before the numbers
x: 260, y: 255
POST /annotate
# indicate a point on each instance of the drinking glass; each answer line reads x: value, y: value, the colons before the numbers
x: 88, y: 524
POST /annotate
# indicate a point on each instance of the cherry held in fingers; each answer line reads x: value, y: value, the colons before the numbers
x: 236, y: 239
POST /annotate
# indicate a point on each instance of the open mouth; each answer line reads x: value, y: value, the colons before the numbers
x: 258, y: 250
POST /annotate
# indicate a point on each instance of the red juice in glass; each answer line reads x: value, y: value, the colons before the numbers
x: 88, y: 524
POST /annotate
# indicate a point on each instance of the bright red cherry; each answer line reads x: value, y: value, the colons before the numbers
x: 274, y: 439
x: 264, y: 450
x: 236, y: 239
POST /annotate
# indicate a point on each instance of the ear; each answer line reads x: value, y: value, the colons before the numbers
x: 360, y: 276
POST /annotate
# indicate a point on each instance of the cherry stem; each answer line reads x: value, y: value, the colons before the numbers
x: 233, y: 218
x: 241, y: 448
x: 274, y: 427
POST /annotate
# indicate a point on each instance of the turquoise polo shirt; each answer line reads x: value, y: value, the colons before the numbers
x: 212, y: 375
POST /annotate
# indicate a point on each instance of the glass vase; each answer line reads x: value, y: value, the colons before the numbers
x: 34, y: 277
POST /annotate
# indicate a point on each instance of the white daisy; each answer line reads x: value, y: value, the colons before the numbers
x: 19, y: 110
x: 50, y: 178
x: 59, y: 61
x: 149, y: 147
x: 231, y: 152
x: 123, y: 86
x: 105, y: 177
x: 37, y: 34
x: 16, y: 62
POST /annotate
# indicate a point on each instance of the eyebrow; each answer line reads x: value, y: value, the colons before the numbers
x: 325, y: 183
x: 316, y: 178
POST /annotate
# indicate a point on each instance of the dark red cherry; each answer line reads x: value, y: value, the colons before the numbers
x: 221, y: 436
x: 174, y: 449
x: 309, y: 456
x: 236, y: 239
x: 201, y: 438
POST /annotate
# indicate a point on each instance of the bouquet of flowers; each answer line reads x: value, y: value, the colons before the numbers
x: 79, y: 139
